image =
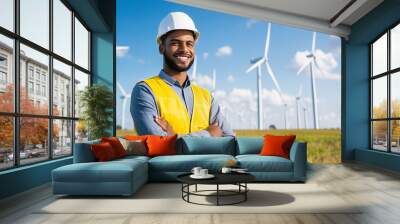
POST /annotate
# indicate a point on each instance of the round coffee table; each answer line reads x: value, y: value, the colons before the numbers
x: 238, y: 179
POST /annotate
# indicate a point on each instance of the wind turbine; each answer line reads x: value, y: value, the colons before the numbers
x: 305, y: 116
x: 194, y: 71
x: 298, y: 98
x: 257, y: 64
x: 125, y: 96
x: 312, y: 61
x: 213, y: 82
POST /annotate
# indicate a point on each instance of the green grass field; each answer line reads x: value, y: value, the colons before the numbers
x: 323, y: 145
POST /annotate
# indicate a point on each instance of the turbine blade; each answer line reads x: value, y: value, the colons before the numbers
x: 303, y: 66
x: 121, y: 89
x: 255, y: 65
x: 313, y: 43
x: 271, y: 73
x: 267, y: 41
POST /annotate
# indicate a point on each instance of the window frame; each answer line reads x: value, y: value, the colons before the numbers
x: 388, y: 74
x: 16, y: 114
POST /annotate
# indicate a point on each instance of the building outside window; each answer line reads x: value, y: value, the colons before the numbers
x: 30, y: 87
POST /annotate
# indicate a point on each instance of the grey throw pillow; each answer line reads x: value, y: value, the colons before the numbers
x: 134, y: 147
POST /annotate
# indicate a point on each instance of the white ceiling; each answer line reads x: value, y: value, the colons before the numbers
x: 317, y: 15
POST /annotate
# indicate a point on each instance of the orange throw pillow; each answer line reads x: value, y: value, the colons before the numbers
x: 161, y: 145
x: 277, y: 145
x: 137, y: 137
x: 116, y: 145
x: 103, y: 152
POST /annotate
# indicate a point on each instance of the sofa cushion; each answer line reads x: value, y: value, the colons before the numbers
x: 134, y: 147
x: 206, y: 145
x: 83, y: 152
x: 111, y: 171
x: 185, y: 163
x: 116, y: 145
x: 257, y: 163
x: 249, y: 145
x: 277, y: 145
x: 103, y: 152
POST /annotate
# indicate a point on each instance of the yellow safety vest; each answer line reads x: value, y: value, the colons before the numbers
x: 173, y: 110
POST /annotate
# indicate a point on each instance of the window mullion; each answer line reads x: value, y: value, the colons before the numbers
x: 73, y: 82
x: 16, y: 84
x: 50, y: 81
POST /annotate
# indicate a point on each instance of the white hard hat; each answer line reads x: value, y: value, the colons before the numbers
x: 176, y: 21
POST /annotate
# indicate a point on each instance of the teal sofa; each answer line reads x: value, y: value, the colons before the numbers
x: 125, y: 176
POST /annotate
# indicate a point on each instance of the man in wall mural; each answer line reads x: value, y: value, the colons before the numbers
x: 169, y: 103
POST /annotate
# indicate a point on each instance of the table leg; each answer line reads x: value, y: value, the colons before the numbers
x: 196, y: 188
x: 217, y: 194
x: 245, y: 193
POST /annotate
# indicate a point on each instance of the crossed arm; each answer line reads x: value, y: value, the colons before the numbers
x: 145, y: 114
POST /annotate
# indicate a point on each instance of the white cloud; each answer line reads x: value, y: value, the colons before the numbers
x: 326, y: 62
x: 250, y: 23
x: 224, y: 51
x: 204, y: 80
x: 122, y: 51
x: 205, y: 55
x: 231, y: 78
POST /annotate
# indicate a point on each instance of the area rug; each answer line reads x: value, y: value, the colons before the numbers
x: 167, y: 198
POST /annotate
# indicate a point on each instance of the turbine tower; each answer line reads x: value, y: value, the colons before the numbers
x: 194, y: 71
x: 213, y: 82
x: 257, y: 64
x: 125, y: 96
x: 312, y: 62
x: 298, y: 98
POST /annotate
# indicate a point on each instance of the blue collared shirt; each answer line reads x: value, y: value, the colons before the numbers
x: 144, y: 108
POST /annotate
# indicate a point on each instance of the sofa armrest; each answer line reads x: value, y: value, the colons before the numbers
x: 298, y: 155
x: 83, y: 152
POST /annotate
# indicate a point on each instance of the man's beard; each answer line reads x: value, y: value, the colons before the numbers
x: 172, y: 65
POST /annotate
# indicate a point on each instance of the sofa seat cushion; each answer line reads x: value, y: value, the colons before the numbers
x: 257, y: 163
x: 185, y: 163
x: 112, y: 171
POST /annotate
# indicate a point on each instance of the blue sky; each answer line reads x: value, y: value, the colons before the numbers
x: 226, y: 44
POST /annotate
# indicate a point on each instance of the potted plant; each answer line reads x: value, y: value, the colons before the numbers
x: 97, y: 103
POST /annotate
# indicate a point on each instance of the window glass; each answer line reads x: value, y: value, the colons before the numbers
x: 379, y: 135
x: 62, y: 137
x: 6, y: 142
x: 7, y: 14
x: 39, y: 62
x: 395, y: 47
x: 34, y: 21
x: 395, y: 95
x: 81, y: 82
x: 33, y: 140
x: 81, y: 131
x: 81, y: 45
x: 379, y: 56
x: 62, y: 89
x: 395, y: 136
x: 379, y: 98
x: 6, y: 74
x: 62, y: 29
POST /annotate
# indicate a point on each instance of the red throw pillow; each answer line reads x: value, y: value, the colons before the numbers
x: 277, y: 145
x: 161, y: 145
x: 103, y: 152
x: 116, y: 145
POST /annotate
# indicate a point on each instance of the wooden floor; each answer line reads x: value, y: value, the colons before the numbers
x: 377, y: 188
